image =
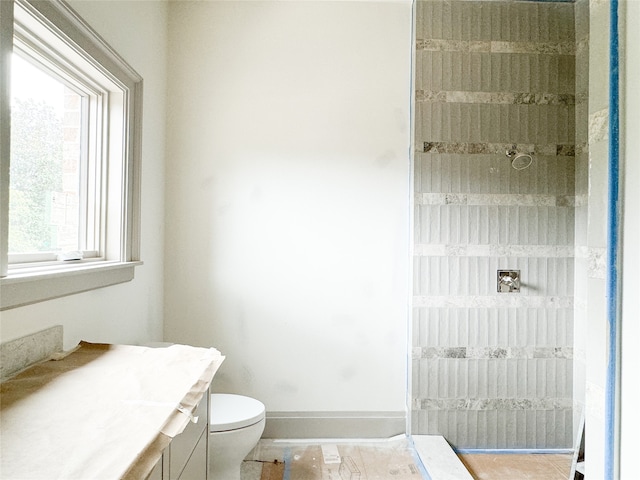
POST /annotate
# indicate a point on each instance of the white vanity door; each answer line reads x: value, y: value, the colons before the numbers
x: 196, y: 468
x: 182, y: 446
x: 186, y: 457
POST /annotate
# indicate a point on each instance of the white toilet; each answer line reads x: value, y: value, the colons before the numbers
x: 235, y: 426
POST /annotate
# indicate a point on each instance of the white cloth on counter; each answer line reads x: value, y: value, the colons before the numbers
x: 100, y: 412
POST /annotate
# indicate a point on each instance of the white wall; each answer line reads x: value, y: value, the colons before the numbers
x: 287, y: 198
x: 630, y: 324
x: 597, y: 343
x: 130, y: 312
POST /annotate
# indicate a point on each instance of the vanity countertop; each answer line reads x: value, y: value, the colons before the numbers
x: 101, y: 411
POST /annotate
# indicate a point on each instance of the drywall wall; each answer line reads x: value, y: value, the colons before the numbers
x: 130, y: 312
x: 287, y: 227
x: 489, y: 369
x: 630, y: 147
x: 597, y: 337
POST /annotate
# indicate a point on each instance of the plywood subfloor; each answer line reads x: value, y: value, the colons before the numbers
x: 364, y: 460
x: 486, y: 466
x: 387, y: 459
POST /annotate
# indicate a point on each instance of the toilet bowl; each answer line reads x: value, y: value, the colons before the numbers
x: 235, y: 426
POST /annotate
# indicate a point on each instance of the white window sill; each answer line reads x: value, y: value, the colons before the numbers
x: 26, y: 286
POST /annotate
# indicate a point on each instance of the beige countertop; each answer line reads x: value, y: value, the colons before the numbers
x: 100, y: 412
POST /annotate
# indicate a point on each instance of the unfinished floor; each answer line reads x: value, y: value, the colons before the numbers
x: 518, y: 467
x: 395, y: 458
x: 333, y: 460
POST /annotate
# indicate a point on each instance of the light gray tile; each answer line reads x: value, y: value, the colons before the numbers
x: 469, y: 66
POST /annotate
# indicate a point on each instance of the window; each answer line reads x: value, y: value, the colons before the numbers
x: 69, y: 216
x: 49, y: 130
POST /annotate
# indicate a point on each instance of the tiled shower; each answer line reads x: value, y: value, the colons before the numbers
x: 489, y: 369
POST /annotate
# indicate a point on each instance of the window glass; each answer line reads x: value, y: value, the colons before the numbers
x: 46, y: 148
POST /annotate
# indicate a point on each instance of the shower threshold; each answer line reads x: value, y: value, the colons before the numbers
x: 439, y: 459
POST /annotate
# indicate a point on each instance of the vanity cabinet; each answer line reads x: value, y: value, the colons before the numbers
x: 186, y: 457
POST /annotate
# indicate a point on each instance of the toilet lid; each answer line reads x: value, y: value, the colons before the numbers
x: 230, y: 412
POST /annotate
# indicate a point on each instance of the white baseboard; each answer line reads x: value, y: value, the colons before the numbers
x: 334, y: 424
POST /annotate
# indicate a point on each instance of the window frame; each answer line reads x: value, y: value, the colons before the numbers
x: 60, y: 28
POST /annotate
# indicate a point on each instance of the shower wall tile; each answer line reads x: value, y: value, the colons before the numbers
x: 476, y: 276
x: 506, y: 328
x: 508, y: 124
x: 504, y: 428
x: 470, y: 97
x: 582, y: 126
x: 493, y: 225
x: 492, y: 370
x: 477, y: 69
x: 581, y: 295
x: 492, y: 174
x: 599, y: 56
x: 488, y: 20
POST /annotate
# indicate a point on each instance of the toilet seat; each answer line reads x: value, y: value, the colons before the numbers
x: 231, y: 412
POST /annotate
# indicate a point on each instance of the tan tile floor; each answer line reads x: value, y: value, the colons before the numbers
x: 517, y: 466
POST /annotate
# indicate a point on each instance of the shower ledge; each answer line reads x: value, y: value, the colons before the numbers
x: 439, y: 459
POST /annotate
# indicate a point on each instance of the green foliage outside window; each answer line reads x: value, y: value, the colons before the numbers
x: 36, y: 172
